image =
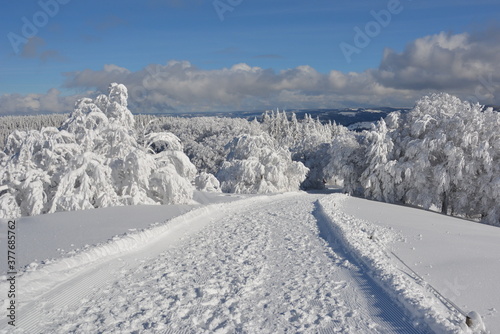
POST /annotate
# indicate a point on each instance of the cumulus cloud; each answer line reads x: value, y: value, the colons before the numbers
x: 100, y: 80
x: 460, y: 63
x: 467, y: 65
x: 181, y: 86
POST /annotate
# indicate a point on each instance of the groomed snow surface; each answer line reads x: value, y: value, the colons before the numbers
x: 295, y: 263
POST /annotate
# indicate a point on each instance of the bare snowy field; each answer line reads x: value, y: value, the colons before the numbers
x: 297, y: 262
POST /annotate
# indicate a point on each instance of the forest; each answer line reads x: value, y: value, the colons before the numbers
x: 442, y: 155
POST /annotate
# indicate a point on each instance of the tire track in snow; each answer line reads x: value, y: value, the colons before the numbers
x: 360, y: 312
x: 66, y: 295
x: 379, y: 304
x: 296, y: 258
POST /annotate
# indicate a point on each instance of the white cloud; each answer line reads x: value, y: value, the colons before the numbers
x: 467, y: 65
x: 463, y: 64
x: 99, y: 80
x: 179, y: 85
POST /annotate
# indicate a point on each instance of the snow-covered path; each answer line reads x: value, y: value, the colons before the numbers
x: 254, y: 266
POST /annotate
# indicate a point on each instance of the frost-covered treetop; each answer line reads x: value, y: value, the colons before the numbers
x: 112, y: 108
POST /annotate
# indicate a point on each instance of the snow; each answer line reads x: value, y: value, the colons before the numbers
x: 207, y: 182
x: 49, y: 237
x: 459, y: 258
x: 295, y: 262
x: 70, y: 232
x: 475, y: 321
x: 368, y: 244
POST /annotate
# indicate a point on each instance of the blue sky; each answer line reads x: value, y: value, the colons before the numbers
x: 284, y: 44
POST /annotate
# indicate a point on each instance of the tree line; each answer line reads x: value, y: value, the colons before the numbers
x: 442, y: 155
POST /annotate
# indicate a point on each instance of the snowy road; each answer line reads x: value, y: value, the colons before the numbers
x: 254, y: 266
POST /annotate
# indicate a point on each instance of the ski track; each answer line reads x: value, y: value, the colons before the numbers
x: 254, y: 267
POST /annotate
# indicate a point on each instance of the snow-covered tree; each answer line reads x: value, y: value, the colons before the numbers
x: 8, y: 204
x: 308, y: 140
x: 256, y: 164
x: 9, y: 124
x: 347, y: 160
x: 93, y: 160
x: 443, y: 154
x: 204, y: 138
x: 381, y: 176
x: 207, y: 182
